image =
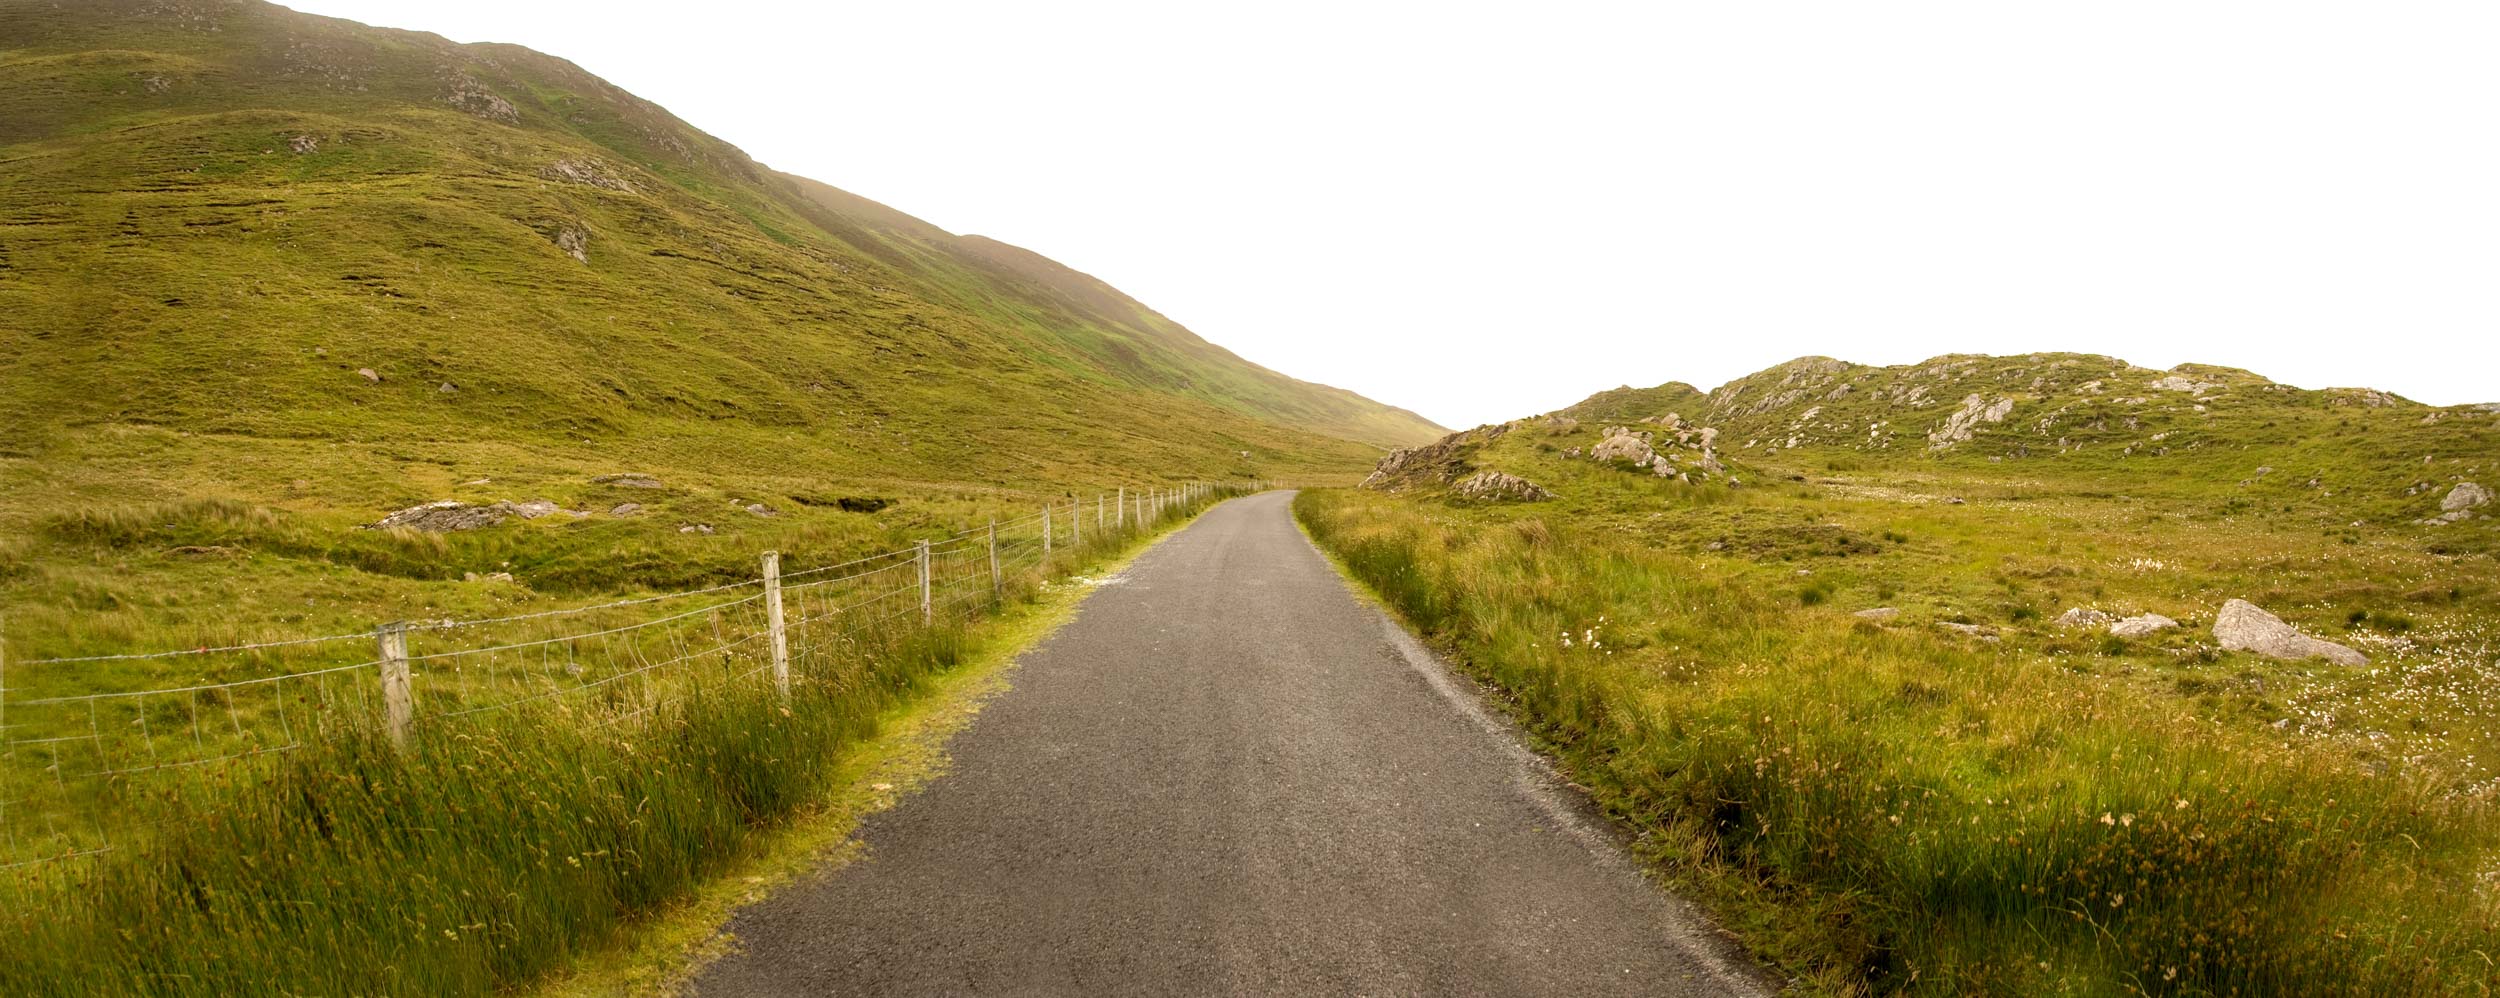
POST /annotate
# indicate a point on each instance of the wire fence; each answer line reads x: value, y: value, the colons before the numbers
x: 71, y: 765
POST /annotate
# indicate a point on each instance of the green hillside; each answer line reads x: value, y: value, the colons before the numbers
x: 318, y: 271
x: 1865, y: 686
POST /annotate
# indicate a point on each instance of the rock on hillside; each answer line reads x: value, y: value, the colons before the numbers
x: 1434, y: 464
x: 2460, y: 503
x: 451, y: 515
x: 1497, y: 486
x: 2241, y: 626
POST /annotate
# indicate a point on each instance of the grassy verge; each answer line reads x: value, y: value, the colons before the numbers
x: 668, y: 946
x: 495, y: 849
x: 1889, y: 809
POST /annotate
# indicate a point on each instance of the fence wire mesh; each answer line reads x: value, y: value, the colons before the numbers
x: 73, y: 757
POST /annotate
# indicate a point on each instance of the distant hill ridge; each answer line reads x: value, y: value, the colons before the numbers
x: 2011, y: 406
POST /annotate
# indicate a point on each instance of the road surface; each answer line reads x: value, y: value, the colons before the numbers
x: 1229, y: 776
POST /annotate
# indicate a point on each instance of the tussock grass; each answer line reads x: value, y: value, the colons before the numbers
x: 496, y: 847
x: 1900, y: 809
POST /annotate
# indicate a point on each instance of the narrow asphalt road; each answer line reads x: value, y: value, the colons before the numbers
x: 1229, y: 776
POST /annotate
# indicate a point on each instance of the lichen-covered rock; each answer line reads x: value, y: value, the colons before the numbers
x: 1495, y: 486
x: 1976, y: 409
x: 2241, y: 626
x: 1434, y: 463
x: 1878, y: 613
x: 2460, y: 503
x: 2141, y: 625
x: 2082, y: 617
x: 2175, y: 383
x: 587, y: 172
x: 448, y: 515
x: 574, y: 240
x: 470, y: 96
x: 1625, y: 447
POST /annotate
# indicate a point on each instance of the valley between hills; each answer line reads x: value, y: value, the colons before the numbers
x: 455, y: 517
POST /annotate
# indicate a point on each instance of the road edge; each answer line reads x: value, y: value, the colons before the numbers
x: 663, y: 953
x: 1543, y: 780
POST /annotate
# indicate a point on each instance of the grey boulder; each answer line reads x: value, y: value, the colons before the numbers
x: 2241, y: 626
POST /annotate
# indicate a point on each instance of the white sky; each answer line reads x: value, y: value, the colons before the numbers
x: 1485, y: 212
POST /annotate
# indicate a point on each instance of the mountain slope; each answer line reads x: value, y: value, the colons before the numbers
x: 219, y: 212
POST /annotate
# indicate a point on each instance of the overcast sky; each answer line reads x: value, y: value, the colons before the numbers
x: 1485, y: 212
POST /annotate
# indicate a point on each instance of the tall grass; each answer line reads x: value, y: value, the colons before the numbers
x: 493, y: 848
x: 1890, y: 810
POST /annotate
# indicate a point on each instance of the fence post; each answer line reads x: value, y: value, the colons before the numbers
x: 399, y: 706
x: 997, y: 586
x: 1122, y: 509
x: 772, y: 618
x: 1045, y: 530
x: 922, y: 554
x: 1076, y: 522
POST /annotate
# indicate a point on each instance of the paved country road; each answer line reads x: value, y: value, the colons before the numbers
x: 1229, y: 776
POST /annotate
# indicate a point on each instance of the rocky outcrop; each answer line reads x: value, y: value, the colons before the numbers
x: 449, y: 515
x: 1623, y: 446
x: 2083, y: 618
x: 2142, y: 625
x: 1976, y: 409
x: 1439, y: 462
x: 1495, y: 486
x: 2460, y: 503
x: 1878, y: 613
x: 628, y: 480
x: 468, y: 95
x: 574, y: 240
x: 2241, y: 626
x: 2175, y: 383
x: 587, y: 172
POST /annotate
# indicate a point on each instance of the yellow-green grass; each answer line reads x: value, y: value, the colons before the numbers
x: 658, y: 954
x: 1904, y: 804
x: 495, y: 846
x: 218, y: 215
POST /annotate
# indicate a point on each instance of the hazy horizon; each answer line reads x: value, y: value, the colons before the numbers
x: 1477, y: 215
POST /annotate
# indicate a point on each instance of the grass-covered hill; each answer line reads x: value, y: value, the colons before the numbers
x: 289, y: 273
x: 218, y: 213
x: 1864, y: 690
x: 2214, y: 432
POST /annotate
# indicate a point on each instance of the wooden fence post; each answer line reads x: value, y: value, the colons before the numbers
x: 1076, y: 522
x: 1045, y: 530
x: 922, y: 555
x: 1122, y: 509
x: 772, y: 619
x: 399, y: 705
x: 4, y: 680
x: 998, y: 587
